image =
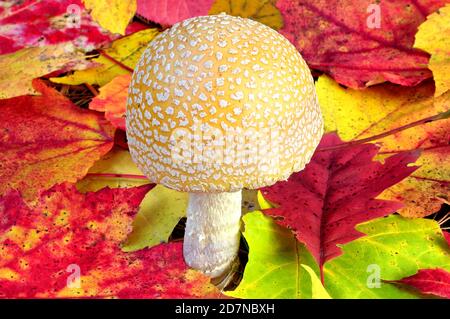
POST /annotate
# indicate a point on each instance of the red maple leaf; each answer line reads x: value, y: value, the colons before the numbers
x: 446, y: 236
x: 66, y: 230
x: 336, y: 191
x: 360, y: 42
x: 429, y: 281
x: 168, y: 12
x: 33, y: 23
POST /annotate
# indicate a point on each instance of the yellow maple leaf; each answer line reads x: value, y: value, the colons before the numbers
x: 113, y: 15
x: 318, y: 291
x: 434, y: 37
x: 357, y: 114
x: 126, y: 50
x: 101, y: 174
x: 263, y: 11
x: 21, y: 67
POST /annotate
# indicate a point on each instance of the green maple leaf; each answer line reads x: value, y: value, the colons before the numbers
x: 393, y: 248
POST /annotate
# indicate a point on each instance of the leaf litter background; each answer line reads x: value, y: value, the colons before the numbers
x: 375, y: 193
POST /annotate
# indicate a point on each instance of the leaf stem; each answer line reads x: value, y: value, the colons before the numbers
x: 112, y: 175
x: 440, y: 116
x: 92, y: 89
x: 123, y: 66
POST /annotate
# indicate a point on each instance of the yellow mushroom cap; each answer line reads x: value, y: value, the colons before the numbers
x: 219, y: 103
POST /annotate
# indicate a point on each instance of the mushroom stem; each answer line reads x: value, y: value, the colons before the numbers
x: 211, y: 240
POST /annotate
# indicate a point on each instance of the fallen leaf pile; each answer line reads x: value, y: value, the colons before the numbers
x: 62, y: 228
x: 366, y: 218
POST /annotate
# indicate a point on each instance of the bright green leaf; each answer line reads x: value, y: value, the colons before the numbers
x: 274, y: 263
x: 395, y: 246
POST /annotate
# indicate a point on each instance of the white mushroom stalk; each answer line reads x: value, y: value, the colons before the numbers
x: 212, y: 233
x: 217, y: 104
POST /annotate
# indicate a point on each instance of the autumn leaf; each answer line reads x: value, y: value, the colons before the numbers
x: 263, y: 11
x: 317, y: 289
x: 65, y: 230
x: 429, y: 281
x: 392, y: 248
x: 275, y: 263
x: 126, y: 51
x: 113, y: 100
x: 434, y: 37
x: 32, y: 23
x: 45, y: 140
x: 336, y: 191
x: 160, y: 210
x: 20, y: 68
x: 112, y: 15
x: 114, y: 169
x: 169, y: 12
x: 359, y: 42
x: 356, y: 114
x: 276, y: 260
x: 447, y: 236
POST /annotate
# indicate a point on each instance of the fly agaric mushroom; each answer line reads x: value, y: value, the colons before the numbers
x: 217, y: 104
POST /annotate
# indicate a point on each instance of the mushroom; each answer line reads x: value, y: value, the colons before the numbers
x: 217, y: 104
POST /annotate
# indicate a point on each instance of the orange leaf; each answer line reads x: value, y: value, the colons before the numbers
x: 65, y: 233
x: 46, y: 140
x: 113, y: 100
